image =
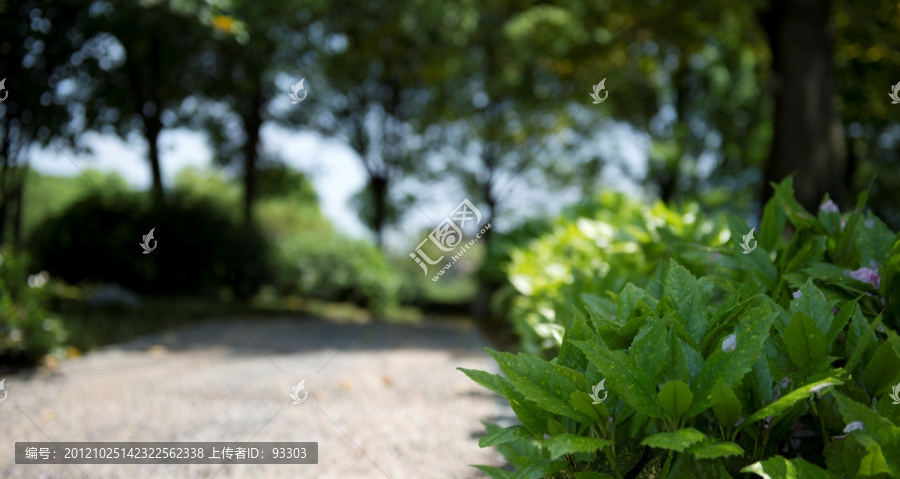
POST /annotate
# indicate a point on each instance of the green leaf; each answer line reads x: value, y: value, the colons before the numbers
x: 805, y: 343
x: 784, y: 195
x: 646, y: 349
x: 813, y: 304
x: 590, y: 475
x: 493, y: 472
x: 582, y: 401
x: 730, y: 366
x: 546, y: 384
x: 555, y: 427
x: 539, y: 468
x: 688, y: 298
x: 875, y: 428
x: 858, y: 341
x: 780, y: 468
x: 873, y: 464
x: 571, y: 443
x: 675, y: 441
x: 785, y: 402
x: 676, y: 362
x: 675, y: 398
x: 533, y: 417
x: 841, y: 320
x: 881, y: 370
x: 492, y: 382
x: 626, y: 378
x: 504, y: 435
x: 725, y: 405
x: 711, y: 449
x: 772, y: 225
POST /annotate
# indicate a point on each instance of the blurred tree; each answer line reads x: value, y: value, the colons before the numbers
x: 39, y: 47
x: 376, y: 61
x: 150, y: 57
x: 257, y: 42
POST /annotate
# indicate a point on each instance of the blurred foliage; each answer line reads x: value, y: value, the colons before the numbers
x: 28, y: 330
x: 200, y: 251
x: 599, y: 246
x: 777, y: 356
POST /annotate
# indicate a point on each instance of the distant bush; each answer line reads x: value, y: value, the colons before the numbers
x: 337, y: 268
x: 27, y: 330
x: 200, y: 250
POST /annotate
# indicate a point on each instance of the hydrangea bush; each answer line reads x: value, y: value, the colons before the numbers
x: 782, y: 362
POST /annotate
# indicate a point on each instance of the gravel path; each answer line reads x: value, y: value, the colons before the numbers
x: 389, y: 404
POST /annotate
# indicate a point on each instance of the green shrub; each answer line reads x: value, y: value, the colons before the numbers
x: 336, y: 268
x: 781, y: 362
x: 27, y: 330
x: 597, y: 247
x: 199, y: 250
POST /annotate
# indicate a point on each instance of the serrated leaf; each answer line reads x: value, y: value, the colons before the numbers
x: 583, y: 403
x: 646, y: 351
x: 882, y: 370
x: 805, y: 343
x: 538, y: 469
x: 504, y: 435
x: 860, y: 342
x: 493, y: 472
x: 491, y: 382
x: 675, y: 441
x: 780, y: 468
x: 688, y: 298
x: 546, y: 384
x: 571, y: 443
x: 626, y: 378
x: 873, y: 464
x: 675, y: 398
x: 532, y: 416
x: 725, y: 405
x: 711, y: 449
x: 875, y: 428
x: 813, y: 304
x: 730, y: 366
x: 785, y: 402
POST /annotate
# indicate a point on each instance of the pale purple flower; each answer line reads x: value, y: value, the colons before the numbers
x: 829, y: 207
x: 739, y: 422
x: 853, y: 426
x: 785, y: 382
x: 797, y: 294
x: 843, y: 223
x: 866, y: 275
x: 817, y: 390
x: 729, y: 343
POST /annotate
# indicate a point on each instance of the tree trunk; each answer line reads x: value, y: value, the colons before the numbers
x: 152, y: 129
x: 252, y: 119
x: 801, y: 39
x: 378, y: 185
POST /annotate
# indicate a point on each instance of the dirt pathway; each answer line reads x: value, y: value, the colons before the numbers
x: 384, y: 400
